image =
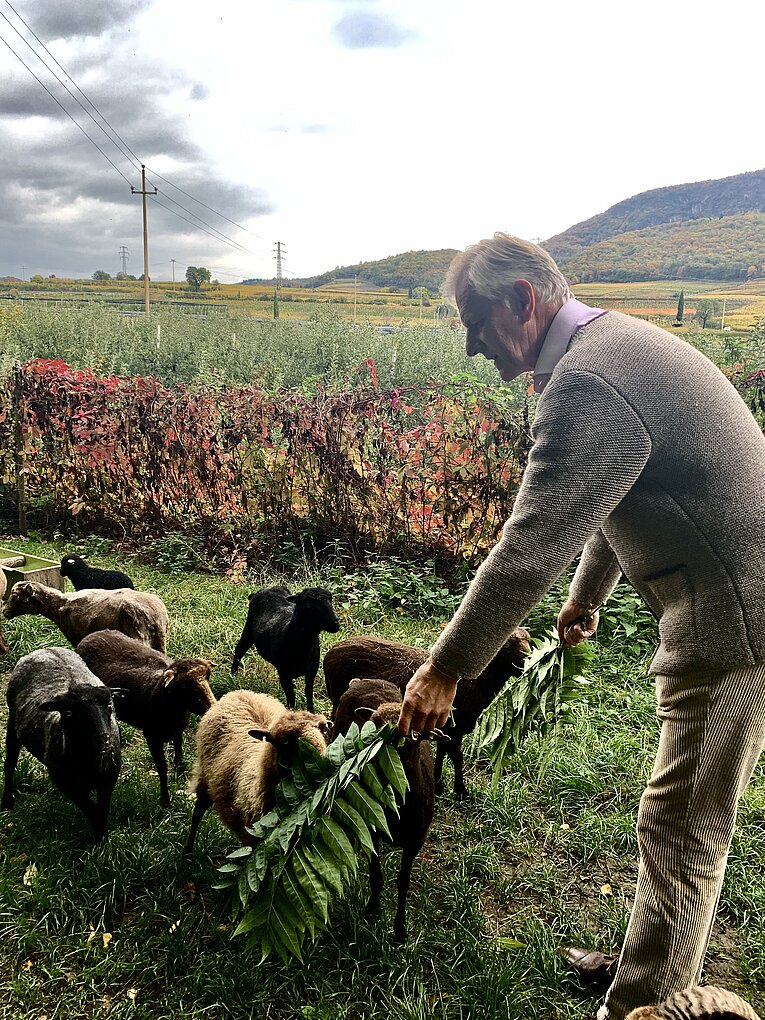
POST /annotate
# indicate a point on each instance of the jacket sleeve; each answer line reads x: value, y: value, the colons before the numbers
x: 590, y: 447
x: 597, y: 573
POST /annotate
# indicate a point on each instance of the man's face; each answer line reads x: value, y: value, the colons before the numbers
x: 497, y: 332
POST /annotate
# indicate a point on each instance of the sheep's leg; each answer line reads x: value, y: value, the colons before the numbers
x: 157, y: 752
x: 310, y: 677
x: 408, y: 855
x: 203, y: 802
x: 12, y: 748
x: 455, y: 753
x: 438, y: 768
x: 243, y: 645
x: 96, y: 811
x: 178, y: 763
x: 375, y: 877
x: 288, y: 686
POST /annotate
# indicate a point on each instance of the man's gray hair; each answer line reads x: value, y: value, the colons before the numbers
x: 494, y: 264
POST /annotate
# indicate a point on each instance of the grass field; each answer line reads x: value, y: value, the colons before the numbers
x: 547, y: 858
x: 745, y: 301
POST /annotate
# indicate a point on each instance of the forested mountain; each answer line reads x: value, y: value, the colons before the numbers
x: 410, y: 269
x: 728, y: 196
x: 719, y: 248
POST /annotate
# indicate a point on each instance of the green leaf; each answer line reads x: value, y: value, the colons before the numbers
x: 337, y: 843
x: 390, y: 763
x: 353, y: 824
x: 311, y: 882
x: 368, y: 808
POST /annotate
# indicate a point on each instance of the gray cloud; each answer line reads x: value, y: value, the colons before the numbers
x: 360, y: 30
x: 63, y: 208
x: 63, y: 19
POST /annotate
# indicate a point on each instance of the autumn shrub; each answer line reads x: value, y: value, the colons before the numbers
x: 419, y: 468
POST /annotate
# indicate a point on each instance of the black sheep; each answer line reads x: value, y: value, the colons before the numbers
x: 63, y: 715
x: 380, y: 702
x: 285, y: 630
x: 82, y: 575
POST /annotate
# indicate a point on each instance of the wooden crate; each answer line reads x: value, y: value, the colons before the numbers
x: 34, y: 568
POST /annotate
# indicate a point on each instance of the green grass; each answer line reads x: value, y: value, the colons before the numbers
x: 545, y: 859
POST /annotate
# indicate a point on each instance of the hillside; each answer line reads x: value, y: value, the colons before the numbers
x: 728, y: 196
x: 718, y: 248
x: 410, y: 269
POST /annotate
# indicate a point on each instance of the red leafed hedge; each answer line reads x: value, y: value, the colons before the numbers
x: 427, y: 468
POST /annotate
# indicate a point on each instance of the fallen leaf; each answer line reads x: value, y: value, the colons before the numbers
x: 131, y: 994
x: 175, y: 926
x: 606, y: 890
x: 30, y: 875
x: 107, y: 939
x: 28, y: 964
x: 92, y: 934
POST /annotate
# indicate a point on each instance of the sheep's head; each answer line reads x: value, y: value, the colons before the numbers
x: 708, y: 1003
x: 24, y: 598
x: 317, y: 603
x: 191, y: 677
x: 87, y: 716
x: 69, y: 563
x: 293, y: 726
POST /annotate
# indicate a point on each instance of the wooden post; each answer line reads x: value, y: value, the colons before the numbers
x: 20, y: 459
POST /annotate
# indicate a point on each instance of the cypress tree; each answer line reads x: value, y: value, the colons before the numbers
x: 680, y: 306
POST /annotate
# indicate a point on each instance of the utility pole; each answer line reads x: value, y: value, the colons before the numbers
x: 173, y: 262
x: 124, y: 255
x: 143, y: 192
x: 278, y: 285
x: 722, y: 321
x: 354, y: 298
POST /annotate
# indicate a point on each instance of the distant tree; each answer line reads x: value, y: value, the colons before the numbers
x: 37, y: 278
x: 52, y: 276
x: 101, y: 275
x: 196, y: 276
x: 681, y: 306
x: 705, y: 309
x: 215, y: 283
x: 124, y: 276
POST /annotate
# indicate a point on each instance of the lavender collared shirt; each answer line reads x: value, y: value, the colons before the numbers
x: 570, y: 317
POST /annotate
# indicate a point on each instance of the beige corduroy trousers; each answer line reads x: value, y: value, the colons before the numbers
x: 712, y: 733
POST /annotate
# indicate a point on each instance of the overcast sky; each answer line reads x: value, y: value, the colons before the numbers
x: 353, y: 130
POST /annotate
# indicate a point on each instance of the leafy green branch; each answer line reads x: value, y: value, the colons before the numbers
x: 535, y: 701
x: 307, y: 848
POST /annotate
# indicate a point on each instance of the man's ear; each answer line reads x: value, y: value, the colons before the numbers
x: 524, y: 300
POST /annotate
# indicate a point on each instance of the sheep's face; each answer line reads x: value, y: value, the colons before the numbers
x: 318, y: 602
x: 192, y: 678
x: 23, y: 599
x: 69, y: 563
x: 293, y: 726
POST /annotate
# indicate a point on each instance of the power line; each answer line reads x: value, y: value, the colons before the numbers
x: 114, y: 137
x: 55, y: 100
x: 119, y: 143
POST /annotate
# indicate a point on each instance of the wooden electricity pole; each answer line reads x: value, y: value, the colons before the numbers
x: 143, y: 192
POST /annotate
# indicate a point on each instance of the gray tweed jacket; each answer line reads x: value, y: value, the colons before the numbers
x: 646, y: 458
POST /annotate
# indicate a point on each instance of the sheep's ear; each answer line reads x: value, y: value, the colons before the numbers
x: 260, y: 735
x: 54, y: 705
x: 364, y: 712
x: 169, y: 676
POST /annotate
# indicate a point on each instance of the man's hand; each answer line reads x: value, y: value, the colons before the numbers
x: 429, y: 696
x: 576, y: 622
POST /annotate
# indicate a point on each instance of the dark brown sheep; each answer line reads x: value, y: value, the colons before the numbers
x: 380, y: 702
x: 396, y: 662
x: 153, y: 692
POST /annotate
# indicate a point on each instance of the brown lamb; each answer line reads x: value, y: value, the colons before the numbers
x: 380, y: 702
x: 152, y: 692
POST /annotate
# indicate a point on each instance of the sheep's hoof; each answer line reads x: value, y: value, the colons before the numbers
x: 399, y: 934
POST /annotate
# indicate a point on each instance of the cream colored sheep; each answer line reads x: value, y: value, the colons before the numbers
x: 699, y: 1003
x: 137, y: 614
x: 236, y: 768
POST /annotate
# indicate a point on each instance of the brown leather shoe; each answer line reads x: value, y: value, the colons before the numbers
x: 595, y: 970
